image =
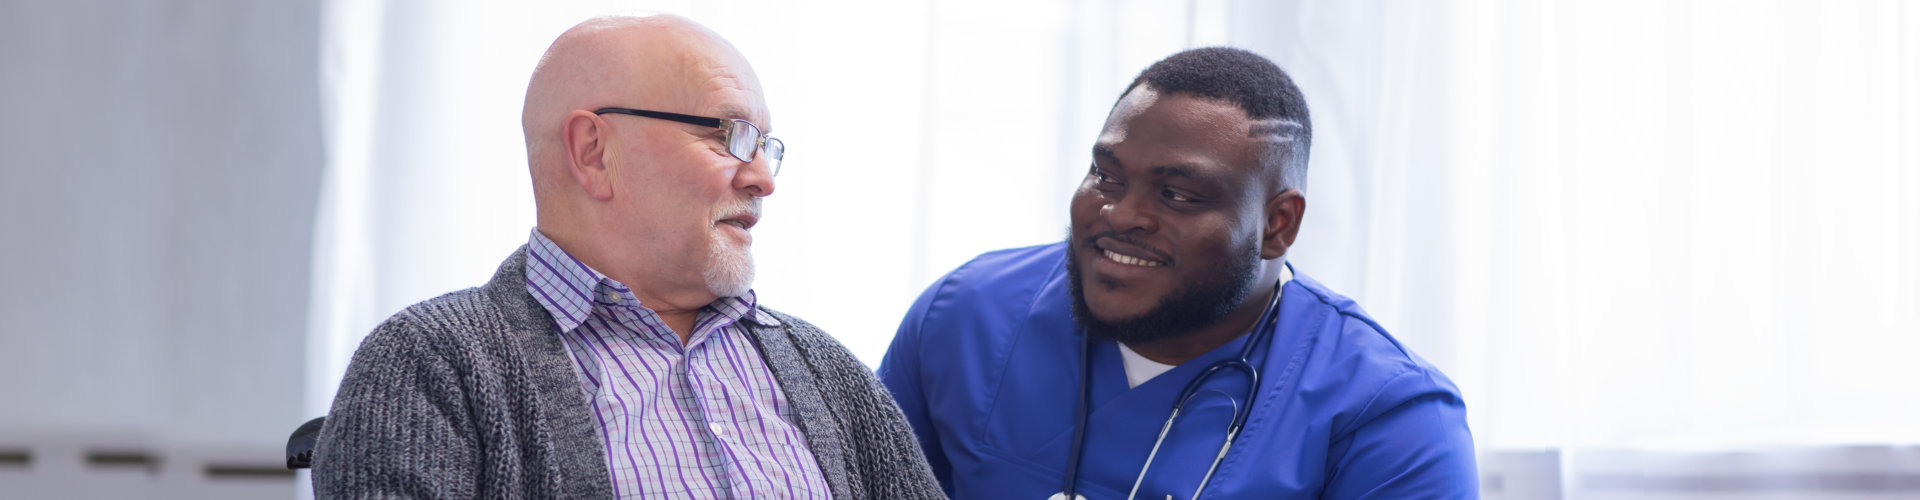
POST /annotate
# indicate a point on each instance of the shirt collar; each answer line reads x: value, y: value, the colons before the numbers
x: 566, y: 287
x: 761, y: 318
x: 570, y: 289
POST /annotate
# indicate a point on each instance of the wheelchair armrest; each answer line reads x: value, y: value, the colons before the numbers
x: 300, y: 444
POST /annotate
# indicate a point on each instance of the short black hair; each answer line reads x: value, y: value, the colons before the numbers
x: 1247, y: 80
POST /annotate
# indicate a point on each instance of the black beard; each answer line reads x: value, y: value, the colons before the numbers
x: 1191, y: 306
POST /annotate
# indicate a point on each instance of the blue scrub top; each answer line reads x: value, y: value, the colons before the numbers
x: 986, y: 367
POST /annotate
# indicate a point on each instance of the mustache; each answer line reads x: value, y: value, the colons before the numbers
x: 749, y: 206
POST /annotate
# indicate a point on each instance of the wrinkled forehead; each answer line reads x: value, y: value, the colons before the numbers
x: 695, y: 72
x: 731, y: 90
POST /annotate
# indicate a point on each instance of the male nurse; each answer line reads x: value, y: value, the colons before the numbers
x: 1055, y: 371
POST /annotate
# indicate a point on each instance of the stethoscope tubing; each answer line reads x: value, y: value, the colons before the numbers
x: 1268, y: 321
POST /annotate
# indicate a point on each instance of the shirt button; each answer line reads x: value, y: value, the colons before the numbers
x: 717, y: 429
x: 613, y: 297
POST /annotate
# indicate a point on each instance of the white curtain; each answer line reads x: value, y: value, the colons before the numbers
x: 1672, y: 227
x: 1621, y: 225
x: 1637, y: 223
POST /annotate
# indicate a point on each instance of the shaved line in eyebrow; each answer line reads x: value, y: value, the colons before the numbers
x: 1276, y: 127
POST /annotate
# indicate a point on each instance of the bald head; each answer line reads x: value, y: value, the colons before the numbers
x: 620, y: 60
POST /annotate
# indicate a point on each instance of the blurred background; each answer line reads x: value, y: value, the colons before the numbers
x: 1668, y: 249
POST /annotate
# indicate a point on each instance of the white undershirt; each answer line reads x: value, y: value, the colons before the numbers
x: 1140, y: 369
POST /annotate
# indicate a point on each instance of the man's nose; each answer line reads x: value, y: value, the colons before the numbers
x: 1128, y: 213
x: 755, y: 177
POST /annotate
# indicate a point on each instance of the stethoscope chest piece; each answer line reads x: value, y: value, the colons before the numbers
x: 1063, y: 496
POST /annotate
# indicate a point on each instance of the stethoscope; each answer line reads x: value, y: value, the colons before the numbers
x: 1270, y: 318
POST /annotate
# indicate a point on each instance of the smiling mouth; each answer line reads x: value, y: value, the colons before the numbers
x: 1128, y: 259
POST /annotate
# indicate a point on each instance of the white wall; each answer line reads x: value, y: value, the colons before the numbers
x: 158, y: 172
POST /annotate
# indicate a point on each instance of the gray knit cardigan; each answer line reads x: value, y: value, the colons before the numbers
x: 472, y: 395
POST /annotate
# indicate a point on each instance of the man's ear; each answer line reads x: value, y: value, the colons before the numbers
x: 1284, y: 213
x: 585, y: 135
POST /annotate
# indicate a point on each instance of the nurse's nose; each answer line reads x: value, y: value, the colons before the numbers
x: 1126, y: 214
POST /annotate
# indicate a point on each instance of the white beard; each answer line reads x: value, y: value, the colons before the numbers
x: 729, y: 271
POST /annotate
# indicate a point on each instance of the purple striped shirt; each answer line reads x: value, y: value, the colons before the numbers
x: 700, y: 420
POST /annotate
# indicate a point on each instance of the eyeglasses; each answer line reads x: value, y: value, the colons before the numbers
x: 743, y: 138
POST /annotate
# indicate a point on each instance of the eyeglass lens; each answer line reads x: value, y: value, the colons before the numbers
x: 743, y: 140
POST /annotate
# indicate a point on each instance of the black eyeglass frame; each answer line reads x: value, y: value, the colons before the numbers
x: 777, y: 150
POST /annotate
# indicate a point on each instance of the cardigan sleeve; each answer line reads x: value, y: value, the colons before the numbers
x: 399, y: 427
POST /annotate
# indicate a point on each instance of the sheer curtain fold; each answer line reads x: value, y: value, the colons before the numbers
x: 1646, y: 224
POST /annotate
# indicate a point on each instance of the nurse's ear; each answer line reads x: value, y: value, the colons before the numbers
x: 1283, y: 215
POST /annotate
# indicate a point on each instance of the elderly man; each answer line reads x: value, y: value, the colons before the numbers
x: 621, y: 352
x: 1167, y: 349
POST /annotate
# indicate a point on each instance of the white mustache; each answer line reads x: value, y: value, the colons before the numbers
x: 750, y: 207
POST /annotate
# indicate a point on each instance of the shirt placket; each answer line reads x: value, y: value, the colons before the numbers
x: 709, y: 391
x: 627, y: 321
x: 732, y: 429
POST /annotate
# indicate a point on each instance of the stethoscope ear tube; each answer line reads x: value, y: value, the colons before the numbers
x: 1164, y: 427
